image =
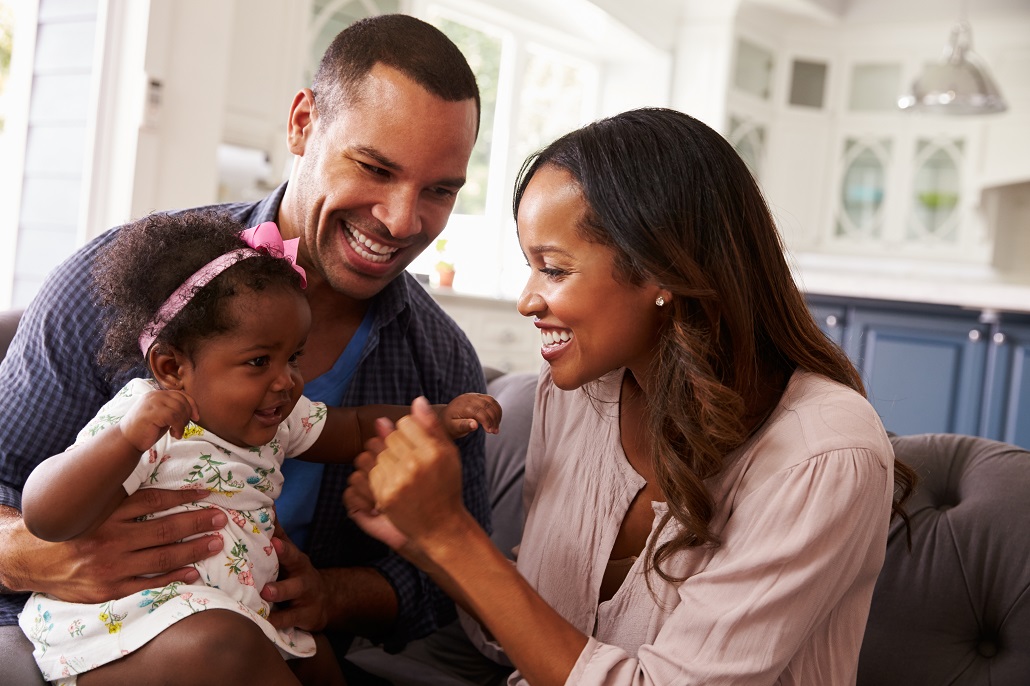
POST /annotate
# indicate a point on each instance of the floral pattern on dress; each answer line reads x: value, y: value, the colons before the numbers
x: 243, y: 483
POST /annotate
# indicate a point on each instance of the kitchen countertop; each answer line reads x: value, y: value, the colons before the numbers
x: 970, y: 286
x: 974, y: 287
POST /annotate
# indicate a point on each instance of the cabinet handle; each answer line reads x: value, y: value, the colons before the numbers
x: 999, y: 338
x: 831, y: 321
x: 974, y: 335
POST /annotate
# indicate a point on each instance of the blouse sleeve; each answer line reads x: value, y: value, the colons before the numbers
x: 791, y: 551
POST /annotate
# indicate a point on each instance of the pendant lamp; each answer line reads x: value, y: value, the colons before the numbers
x: 960, y: 84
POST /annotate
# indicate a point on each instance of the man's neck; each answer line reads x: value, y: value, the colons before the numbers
x: 335, y: 318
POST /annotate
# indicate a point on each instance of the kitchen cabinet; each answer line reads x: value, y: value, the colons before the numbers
x: 1007, y: 410
x: 931, y: 369
x: 923, y: 372
x: 830, y: 317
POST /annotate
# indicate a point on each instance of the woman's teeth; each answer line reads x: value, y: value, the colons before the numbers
x: 554, y: 337
x: 367, y: 248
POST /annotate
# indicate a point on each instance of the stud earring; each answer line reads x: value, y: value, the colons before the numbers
x: 659, y: 301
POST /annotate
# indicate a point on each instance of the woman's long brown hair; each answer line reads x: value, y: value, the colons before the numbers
x: 677, y: 205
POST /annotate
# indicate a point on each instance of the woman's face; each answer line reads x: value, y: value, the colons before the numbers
x: 591, y: 322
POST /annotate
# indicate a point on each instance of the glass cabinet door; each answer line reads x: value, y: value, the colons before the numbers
x: 748, y: 139
x: 935, y: 188
x: 753, y: 70
x: 863, y: 187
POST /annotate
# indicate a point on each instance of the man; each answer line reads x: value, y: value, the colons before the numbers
x: 381, y: 145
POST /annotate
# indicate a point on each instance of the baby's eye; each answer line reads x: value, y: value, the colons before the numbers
x: 295, y: 358
x: 258, y: 361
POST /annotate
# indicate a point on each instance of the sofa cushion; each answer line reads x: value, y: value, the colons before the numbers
x: 956, y: 608
x: 506, y: 456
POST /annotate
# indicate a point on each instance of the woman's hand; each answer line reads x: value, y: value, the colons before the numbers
x: 412, y: 476
x: 407, y: 493
x: 361, y: 506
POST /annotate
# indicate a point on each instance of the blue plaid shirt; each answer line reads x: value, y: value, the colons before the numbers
x: 50, y: 387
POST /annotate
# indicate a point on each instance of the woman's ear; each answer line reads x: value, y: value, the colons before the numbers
x: 166, y: 364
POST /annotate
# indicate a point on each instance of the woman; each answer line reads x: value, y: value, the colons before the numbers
x: 707, y: 490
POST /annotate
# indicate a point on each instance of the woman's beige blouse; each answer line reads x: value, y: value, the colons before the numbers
x: 802, y: 512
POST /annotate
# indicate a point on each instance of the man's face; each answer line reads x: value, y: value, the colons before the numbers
x: 374, y: 185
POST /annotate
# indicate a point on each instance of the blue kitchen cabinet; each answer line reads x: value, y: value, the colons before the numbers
x: 924, y: 373
x: 931, y: 368
x: 831, y: 319
x: 1006, y: 415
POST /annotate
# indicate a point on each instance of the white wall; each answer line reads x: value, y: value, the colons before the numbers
x: 55, y: 153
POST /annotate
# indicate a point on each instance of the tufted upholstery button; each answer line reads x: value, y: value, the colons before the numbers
x: 987, y: 648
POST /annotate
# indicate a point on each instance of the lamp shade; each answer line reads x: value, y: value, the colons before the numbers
x: 961, y: 84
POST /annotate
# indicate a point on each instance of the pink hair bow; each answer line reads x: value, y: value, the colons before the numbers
x: 261, y: 238
x: 266, y: 237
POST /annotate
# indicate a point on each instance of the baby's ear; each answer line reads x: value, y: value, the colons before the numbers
x: 166, y: 364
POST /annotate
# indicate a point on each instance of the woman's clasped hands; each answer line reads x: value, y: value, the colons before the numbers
x: 406, y: 489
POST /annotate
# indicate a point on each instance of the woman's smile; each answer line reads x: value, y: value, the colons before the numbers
x: 553, y: 341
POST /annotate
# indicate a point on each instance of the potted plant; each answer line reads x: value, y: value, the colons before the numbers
x: 444, y: 267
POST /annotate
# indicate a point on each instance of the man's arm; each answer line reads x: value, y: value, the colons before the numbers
x: 111, y: 561
x: 422, y: 606
x: 379, y: 594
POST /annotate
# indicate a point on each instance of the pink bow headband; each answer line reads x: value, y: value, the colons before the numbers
x: 263, y: 238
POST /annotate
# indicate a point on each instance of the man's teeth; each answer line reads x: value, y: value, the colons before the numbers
x: 367, y: 248
x: 552, y: 337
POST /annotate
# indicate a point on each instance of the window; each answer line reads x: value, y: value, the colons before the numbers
x: 6, y: 44
x: 532, y: 91
x: 482, y: 48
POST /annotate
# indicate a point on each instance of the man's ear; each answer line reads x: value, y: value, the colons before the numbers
x: 303, y: 115
x: 166, y: 364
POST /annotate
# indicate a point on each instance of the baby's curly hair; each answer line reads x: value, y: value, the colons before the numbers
x: 150, y: 258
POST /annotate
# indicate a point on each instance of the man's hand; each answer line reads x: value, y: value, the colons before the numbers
x: 116, y: 558
x: 357, y: 600
x: 300, y: 593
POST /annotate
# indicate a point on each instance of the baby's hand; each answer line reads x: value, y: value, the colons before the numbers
x: 468, y: 412
x: 156, y: 413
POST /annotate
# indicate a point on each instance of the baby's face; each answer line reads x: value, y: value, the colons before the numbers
x: 247, y: 381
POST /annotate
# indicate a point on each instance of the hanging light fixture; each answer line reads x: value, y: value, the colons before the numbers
x: 960, y: 84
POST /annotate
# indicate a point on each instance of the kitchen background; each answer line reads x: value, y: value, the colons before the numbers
x: 910, y: 232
